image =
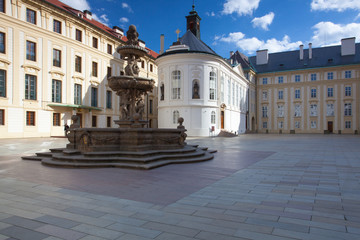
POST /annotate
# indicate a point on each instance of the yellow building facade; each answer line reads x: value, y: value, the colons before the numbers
x: 54, y: 63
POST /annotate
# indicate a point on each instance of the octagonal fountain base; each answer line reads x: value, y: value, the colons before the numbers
x: 139, y: 148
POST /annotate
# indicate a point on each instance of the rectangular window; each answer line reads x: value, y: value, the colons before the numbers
x: 297, y: 93
x: 108, y: 71
x: 297, y: 78
x: 77, y: 94
x: 108, y: 99
x: 347, y: 91
x: 151, y: 106
x: 281, y: 94
x: 280, y: 110
x: 2, y: 83
x: 330, y: 75
x: 313, y: 77
x: 56, y: 58
x: 108, y: 121
x: 94, y: 97
x: 212, y: 83
x: 95, y: 42
x: 56, y: 119
x: 30, y: 51
x: 30, y: 118
x: 30, y: 87
x: 109, y: 49
x: 313, y: 92
x: 330, y: 110
x: 78, y: 35
x: 2, y: 42
x: 2, y: 6
x: 264, y: 81
x: 264, y: 124
x: 347, y: 109
x: 297, y: 110
x: 94, y: 69
x: 94, y: 121
x: 313, y: 110
x: 264, y: 112
x: 347, y: 124
x: 281, y: 124
x: 297, y: 124
x: 176, y: 84
x: 57, y: 26
x: 56, y: 91
x: 264, y: 96
x: 151, y: 67
x: 330, y: 92
x: 281, y: 79
x: 77, y: 64
x: 347, y: 74
x: 313, y: 124
x: 2, y: 117
x: 31, y: 16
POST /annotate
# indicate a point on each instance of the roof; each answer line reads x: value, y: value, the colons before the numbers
x: 93, y: 22
x: 195, y: 45
x: 321, y: 57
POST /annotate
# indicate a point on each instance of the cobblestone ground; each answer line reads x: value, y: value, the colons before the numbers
x: 257, y: 187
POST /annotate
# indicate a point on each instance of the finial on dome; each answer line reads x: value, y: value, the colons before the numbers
x: 193, y: 6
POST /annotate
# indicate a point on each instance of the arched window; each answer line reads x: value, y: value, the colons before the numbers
x: 212, y: 85
x: 162, y: 88
x: 176, y: 84
x: 195, y: 89
x: 213, y: 117
x: 176, y: 116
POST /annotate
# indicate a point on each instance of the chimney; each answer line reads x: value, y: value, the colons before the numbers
x: 162, y: 38
x: 231, y: 53
x: 301, y: 52
x: 118, y: 30
x: 88, y: 14
x: 310, y: 50
x: 262, y: 57
x: 348, y: 46
x: 231, y: 59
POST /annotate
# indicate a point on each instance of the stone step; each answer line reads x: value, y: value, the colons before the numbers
x: 51, y: 162
x: 57, y: 150
x: 44, y: 154
x: 32, y: 158
x: 138, y: 159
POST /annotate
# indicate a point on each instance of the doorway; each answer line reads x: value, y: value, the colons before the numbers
x: 80, y: 118
x: 330, y: 126
x: 222, y: 119
x: 253, y: 124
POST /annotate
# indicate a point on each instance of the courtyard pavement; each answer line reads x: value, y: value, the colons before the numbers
x: 257, y: 187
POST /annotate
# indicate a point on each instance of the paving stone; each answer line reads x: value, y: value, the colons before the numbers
x: 188, y: 232
x: 214, y: 236
x: 281, y: 225
x: 60, y: 232
x: 85, y: 212
x: 98, y: 231
x: 258, y: 236
x: 22, y: 233
x: 139, y: 231
x: 57, y: 221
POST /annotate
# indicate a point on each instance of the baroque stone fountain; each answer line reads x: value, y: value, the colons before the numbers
x: 132, y: 145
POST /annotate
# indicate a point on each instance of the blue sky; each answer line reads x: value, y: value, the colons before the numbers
x: 230, y: 25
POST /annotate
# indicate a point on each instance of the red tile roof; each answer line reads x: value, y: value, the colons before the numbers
x: 97, y: 24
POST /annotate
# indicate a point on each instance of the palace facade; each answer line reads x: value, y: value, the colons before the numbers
x: 54, y: 63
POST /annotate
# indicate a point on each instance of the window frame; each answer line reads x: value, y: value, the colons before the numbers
x: 29, y: 17
x: 347, y: 124
x: 56, y: 91
x: 109, y: 49
x: 348, y: 74
x: 57, y: 26
x: 2, y: 42
x: 281, y: 94
x: 313, y: 77
x: 78, y: 66
x: 330, y: 75
x: 78, y: 35
x: 30, y: 51
x: 176, y: 85
x: 280, y: 79
x: 330, y: 92
x: 2, y: 117
x: 3, y: 83
x: 109, y: 99
x: 347, y: 109
x: 297, y: 78
x: 264, y: 111
x: 176, y: 115
x: 347, y: 91
x: 30, y: 118
x: 77, y: 94
x: 108, y: 121
x: 94, y: 69
x: 93, y: 121
x: 56, y: 58
x: 3, y: 5
x: 212, y: 85
x: 265, y: 81
x: 297, y: 94
x: 56, y: 119
x: 213, y: 117
x: 94, y: 97
x: 30, y: 87
x: 95, y: 43
x: 313, y: 93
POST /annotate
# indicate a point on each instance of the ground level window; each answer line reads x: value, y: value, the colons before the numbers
x: 213, y: 117
x: 108, y: 121
x: 264, y: 124
x: 176, y: 116
x: 56, y: 119
x: 347, y: 124
x: 30, y: 118
x: 2, y: 117
x: 94, y: 121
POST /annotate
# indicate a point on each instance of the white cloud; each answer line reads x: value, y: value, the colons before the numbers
x: 124, y: 20
x: 241, y: 7
x: 210, y: 14
x: 78, y: 4
x: 126, y: 6
x: 328, y: 33
x: 264, y: 21
x: 357, y: 17
x: 251, y: 45
x: 335, y: 5
x: 103, y: 19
